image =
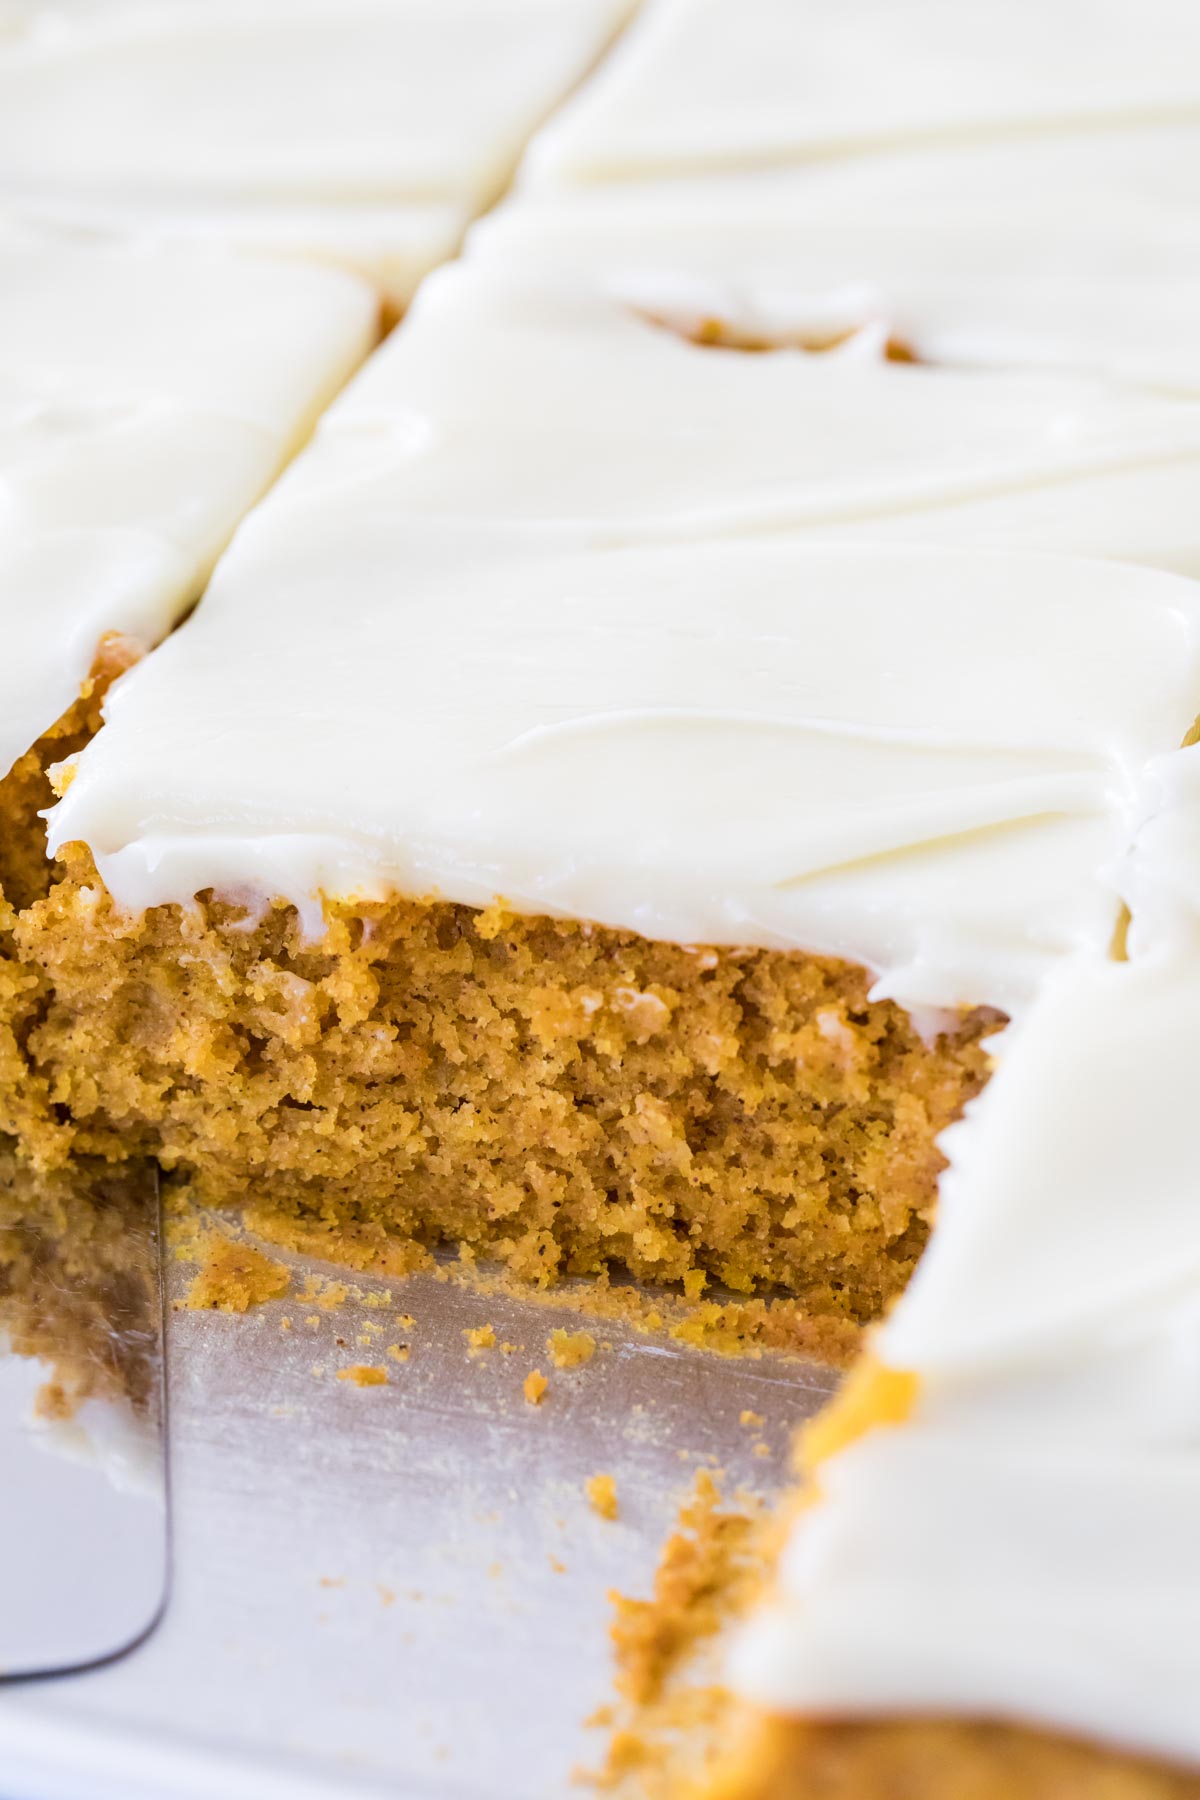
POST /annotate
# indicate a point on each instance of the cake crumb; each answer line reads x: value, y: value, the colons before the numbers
x: 234, y: 1277
x: 364, y: 1375
x: 285, y: 1324
x: 328, y: 1295
x: 480, y: 1337
x: 570, y: 1349
x: 332, y: 1581
x: 750, y: 1419
x: 602, y: 1495
x: 673, y: 1713
x: 534, y: 1387
x: 399, y: 1353
x: 52, y: 1402
x: 559, y: 1567
x: 387, y: 1595
x: 704, y: 1565
x: 761, y: 1449
x: 492, y: 920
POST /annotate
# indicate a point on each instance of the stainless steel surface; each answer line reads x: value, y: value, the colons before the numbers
x: 367, y: 1594
x: 83, y: 1517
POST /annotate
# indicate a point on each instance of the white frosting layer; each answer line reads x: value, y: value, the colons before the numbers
x: 1140, y: 177
x: 727, y: 83
x: 1025, y: 1546
x: 552, y: 404
x: 364, y: 131
x: 1160, y: 877
x: 146, y: 400
x: 392, y: 245
x: 471, y: 719
x: 1072, y: 255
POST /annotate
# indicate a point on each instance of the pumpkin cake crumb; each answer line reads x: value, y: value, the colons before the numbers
x: 233, y: 1277
x: 570, y: 1349
x: 427, y: 1074
x: 728, y: 1327
x: 328, y: 1295
x: 534, y: 1386
x: 667, y: 1726
x: 480, y: 1337
x: 602, y: 1495
x: 364, y: 1375
x: 26, y: 872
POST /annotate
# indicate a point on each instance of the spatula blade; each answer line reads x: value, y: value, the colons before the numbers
x: 83, y: 1475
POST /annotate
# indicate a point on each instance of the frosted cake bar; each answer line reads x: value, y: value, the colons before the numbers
x: 365, y: 132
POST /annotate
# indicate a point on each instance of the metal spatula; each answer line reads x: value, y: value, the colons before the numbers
x: 83, y: 1478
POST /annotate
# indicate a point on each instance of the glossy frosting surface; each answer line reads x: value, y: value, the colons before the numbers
x: 1076, y: 255
x: 547, y: 404
x: 736, y: 83
x: 922, y: 760
x: 147, y: 398
x: 360, y: 131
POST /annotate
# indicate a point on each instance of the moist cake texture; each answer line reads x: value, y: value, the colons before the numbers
x: 562, y: 1097
x: 26, y: 792
x: 936, y: 1759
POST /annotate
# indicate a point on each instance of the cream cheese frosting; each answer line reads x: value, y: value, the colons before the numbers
x: 1144, y: 177
x: 392, y: 245
x: 522, y: 403
x: 941, y: 252
x: 147, y: 398
x: 925, y: 761
x: 728, y: 83
x: 363, y: 131
x: 1024, y: 1546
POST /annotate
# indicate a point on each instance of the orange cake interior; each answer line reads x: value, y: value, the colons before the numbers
x: 563, y: 1098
